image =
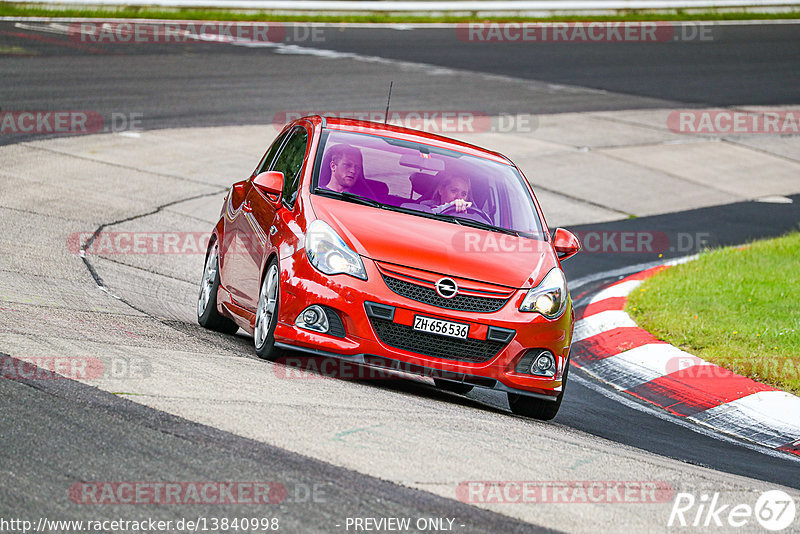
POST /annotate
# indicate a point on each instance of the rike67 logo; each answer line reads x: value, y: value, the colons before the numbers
x: 774, y: 511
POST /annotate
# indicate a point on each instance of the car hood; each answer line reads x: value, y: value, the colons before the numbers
x: 437, y: 246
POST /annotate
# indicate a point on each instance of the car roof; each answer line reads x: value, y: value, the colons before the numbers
x: 407, y: 134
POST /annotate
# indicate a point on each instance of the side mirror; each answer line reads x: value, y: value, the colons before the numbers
x: 565, y: 243
x: 270, y: 183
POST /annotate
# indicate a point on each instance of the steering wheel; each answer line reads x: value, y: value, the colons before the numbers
x: 451, y: 209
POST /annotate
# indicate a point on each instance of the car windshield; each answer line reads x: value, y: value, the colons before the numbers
x: 425, y: 180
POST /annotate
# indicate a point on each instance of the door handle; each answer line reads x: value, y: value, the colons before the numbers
x: 247, y: 207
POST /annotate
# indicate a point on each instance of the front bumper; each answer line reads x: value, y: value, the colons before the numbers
x: 496, y: 340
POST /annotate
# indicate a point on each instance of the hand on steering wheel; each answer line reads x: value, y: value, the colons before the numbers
x: 469, y: 208
x: 459, y: 204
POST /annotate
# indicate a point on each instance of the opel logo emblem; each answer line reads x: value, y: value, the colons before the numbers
x: 447, y: 288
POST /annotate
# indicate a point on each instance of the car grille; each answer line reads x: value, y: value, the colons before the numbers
x: 428, y: 295
x: 406, y: 338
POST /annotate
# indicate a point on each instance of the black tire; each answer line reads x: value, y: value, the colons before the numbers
x: 454, y: 387
x: 269, y: 299
x: 541, y: 409
x: 207, y: 313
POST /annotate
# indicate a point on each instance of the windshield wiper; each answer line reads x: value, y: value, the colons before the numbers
x: 350, y: 197
x: 478, y: 224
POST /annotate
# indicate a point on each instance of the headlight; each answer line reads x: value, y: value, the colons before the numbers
x: 329, y: 253
x: 548, y: 298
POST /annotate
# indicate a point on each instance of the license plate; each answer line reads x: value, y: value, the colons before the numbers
x: 438, y: 326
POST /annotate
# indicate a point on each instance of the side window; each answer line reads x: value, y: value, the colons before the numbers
x: 264, y: 164
x: 290, y: 163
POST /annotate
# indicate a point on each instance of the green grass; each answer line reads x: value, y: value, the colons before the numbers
x: 27, y: 10
x: 737, y: 307
x: 13, y: 50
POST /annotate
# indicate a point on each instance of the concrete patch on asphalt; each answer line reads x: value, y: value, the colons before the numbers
x: 727, y: 168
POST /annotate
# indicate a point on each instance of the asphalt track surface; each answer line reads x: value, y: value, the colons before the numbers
x: 720, y: 66
x: 97, y: 435
x: 94, y: 435
x: 191, y: 84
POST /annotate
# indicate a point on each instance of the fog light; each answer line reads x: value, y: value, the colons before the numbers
x: 544, y: 364
x: 313, y: 318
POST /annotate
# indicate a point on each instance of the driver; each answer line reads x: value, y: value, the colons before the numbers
x: 452, y: 191
x: 345, y: 169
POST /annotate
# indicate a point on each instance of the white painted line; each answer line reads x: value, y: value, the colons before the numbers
x: 680, y: 261
x: 426, y: 68
x: 775, y: 199
x: 599, y: 323
x: 291, y: 49
x: 46, y: 28
x: 62, y: 29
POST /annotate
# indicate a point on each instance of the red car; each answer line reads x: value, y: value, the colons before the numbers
x: 398, y: 249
